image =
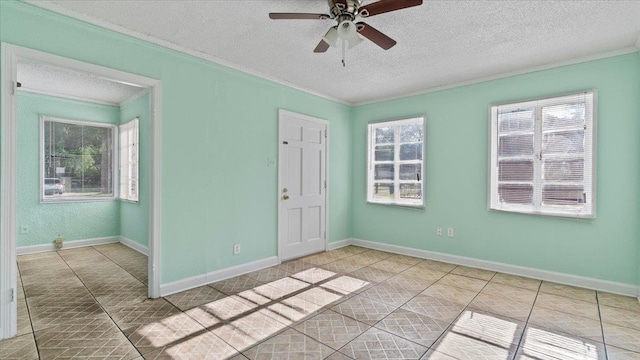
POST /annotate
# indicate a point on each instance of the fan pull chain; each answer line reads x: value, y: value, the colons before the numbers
x: 343, y: 52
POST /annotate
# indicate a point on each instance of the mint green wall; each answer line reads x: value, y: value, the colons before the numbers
x: 134, y: 217
x: 218, y: 127
x: 72, y: 221
x: 456, y: 177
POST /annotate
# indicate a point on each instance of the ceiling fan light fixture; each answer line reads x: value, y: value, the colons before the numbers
x: 331, y: 37
x: 355, y: 41
x: 347, y: 30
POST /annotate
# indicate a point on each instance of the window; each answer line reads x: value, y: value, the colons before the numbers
x: 77, y: 160
x: 542, y: 156
x: 395, y: 162
x: 129, y: 160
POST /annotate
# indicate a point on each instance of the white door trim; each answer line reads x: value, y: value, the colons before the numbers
x: 281, y: 113
x: 10, y: 54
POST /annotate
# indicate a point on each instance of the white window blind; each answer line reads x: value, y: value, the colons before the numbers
x: 395, y: 162
x: 542, y: 156
x: 129, y: 168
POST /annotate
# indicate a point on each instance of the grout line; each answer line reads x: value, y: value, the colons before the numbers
x: 604, y: 341
x: 24, y: 293
x: 526, y: 323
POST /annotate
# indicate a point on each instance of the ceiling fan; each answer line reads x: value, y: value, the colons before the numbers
x: 345, y: 13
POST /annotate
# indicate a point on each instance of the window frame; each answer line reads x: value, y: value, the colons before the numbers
x: 122, y: 129
x: 60, y: 199
x: 370, y: 148
x: 588, y: 209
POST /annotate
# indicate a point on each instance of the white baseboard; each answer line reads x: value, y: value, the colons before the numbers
x: 338, y: 244
x: 31, y: 249
x: 575, y: 280
x: 214, y: 276
x: 134, y: 245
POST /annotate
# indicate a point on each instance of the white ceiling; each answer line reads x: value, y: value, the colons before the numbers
x: 53, y: 80
x: 440, y: 43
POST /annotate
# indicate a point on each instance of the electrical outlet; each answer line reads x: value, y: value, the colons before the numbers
x: 450, y: 232
x: 236, y: 249
x: 439, y: 231
x: 271, y: 161
x: 24, y: 229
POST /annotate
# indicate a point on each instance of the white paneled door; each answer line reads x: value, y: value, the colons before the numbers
x: 302, y: 185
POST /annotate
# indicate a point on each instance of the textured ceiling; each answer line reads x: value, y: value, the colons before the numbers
x: 440, y: 43
x: 47, y: 79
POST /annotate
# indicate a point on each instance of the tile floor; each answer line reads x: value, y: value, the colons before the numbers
x: 349, y: 303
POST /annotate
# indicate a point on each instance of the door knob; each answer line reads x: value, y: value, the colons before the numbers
x: 285, y: 197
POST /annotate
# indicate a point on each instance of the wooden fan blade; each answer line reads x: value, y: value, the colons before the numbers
x: 323, y: 46
x: 298, y: 16
x: 384, y: 6
x: 376, y: 36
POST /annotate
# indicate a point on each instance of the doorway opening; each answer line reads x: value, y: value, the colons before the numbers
x: 61, y: 165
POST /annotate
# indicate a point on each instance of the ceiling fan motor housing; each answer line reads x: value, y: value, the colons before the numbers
x: 344, y: 9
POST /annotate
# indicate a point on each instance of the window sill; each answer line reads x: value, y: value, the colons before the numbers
x: 75, y: 200
x: 129, y: 201
x: 546, y: 213
x: 404, y: 206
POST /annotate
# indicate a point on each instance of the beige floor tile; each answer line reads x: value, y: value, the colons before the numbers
x: 19, y: 348
x: 52, y: 311
x: 567, y: 323
x: 435, y: 355
x: 408, y: 282
x: 267, y: 275
x: 195, y: 297
x: 236, y: 284
x: 164, y: 332
x: 314, y: 275
x: 220, y: 311
x: 323, y: 297
x: 292, y: 310
x: 491, y: 328
x: 517, y: 281
x: 474, y: 272
x: 424, y: 273
x: 545, y: 344
x: 121, y: 297
x: 619, y: 301
x: 418, y: 328
x: 149, y: 311
x: 364, y: 309
x: 369, y: 257
x: 614, y: 353
x: 568, y: 305
x: 405, y: 259
x: 289, y: 285
x: 344, y: 266
x: 437, y: 265
x: 450, y: 293
x: 338, y: 356
x: 372, y: 275
x: 511, y: 292
x: 249, y: 330
x: 390, y: 266
x: 463, y: 282
x: 96, y: 338
x: 201, y: 346
x: 263, y: 294
x: 319, y: 259
x: 463, y: 346
x: 24, y: 321
x: 378, y: 344
x: 332, y: 329
x: 501, y: 305
x: 568, y: 291
x: 434, y: 308
x: 289, y: 344
x: 295, y: 266
x: 386, y: 292
x: 347, y: 285
x: 622, y: 337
